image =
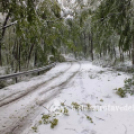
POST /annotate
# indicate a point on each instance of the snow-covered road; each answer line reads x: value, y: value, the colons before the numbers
x: 22, y: 105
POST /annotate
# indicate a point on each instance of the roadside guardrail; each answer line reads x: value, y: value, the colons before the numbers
x: 15, y: 75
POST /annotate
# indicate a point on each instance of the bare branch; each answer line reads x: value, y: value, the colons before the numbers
x: 8, y: 25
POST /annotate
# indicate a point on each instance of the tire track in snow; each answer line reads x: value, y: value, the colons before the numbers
x: 58, y: 89
x: 19, y: 122
x: 13, y: 97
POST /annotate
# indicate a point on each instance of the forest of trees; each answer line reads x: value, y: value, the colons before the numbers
x: 31, y: 30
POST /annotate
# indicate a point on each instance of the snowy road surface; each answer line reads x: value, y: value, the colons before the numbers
x: 22, y: 105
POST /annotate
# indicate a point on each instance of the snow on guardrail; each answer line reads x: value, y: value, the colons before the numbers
x: 14, y: 75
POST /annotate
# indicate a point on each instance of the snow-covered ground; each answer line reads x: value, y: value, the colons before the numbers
x: 56, y: 94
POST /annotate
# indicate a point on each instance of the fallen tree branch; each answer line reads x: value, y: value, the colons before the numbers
x: 100, y: 118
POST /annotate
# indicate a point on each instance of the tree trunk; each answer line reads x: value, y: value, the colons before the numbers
x: 129, y: 54
x: 84, y: 45
x: 16, y: 56
x: 29, y: 55
x: 91, y: 46
x: 133, y: 53
x: 121, y: 55
x: 2, y: 35
x: 35, y: 57
x: 19, y: 58
x: 91, y: 39
x: 9, y: 50
x: 100, y: 53
x: 109, y: 49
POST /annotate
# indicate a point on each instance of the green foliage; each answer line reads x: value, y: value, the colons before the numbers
x: 56, y: 9
x: 128, y: 88
x: 112, y: 26
x: 121, y: 92
x: 40, y: 122
x: 101, y: 100
x: 2, y: 84
x: 46, y: 119
x: 52, y: 59
x: 128, y: 81
x: 59, y: 58
x: 35, y: 129
x: 39, y: 31
x: 75, y: 105
x: 65, y: 111
x: 54, y: 123
x: 89, y: 118
x: 62, y: 104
